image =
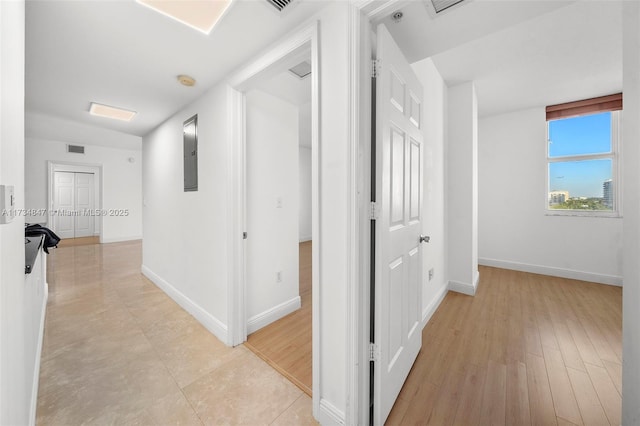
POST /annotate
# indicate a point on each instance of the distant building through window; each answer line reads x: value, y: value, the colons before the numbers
x: 582, y: 163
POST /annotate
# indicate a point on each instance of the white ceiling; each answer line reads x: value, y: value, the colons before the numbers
x: 421, y: 35
x: 124, y: 54
x: 520, y: 53
x: 571, y: 54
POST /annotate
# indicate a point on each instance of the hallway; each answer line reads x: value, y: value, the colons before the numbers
x: 118, y: 350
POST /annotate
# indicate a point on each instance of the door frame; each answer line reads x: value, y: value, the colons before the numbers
x: 236, y: 197
x: 68, y: 166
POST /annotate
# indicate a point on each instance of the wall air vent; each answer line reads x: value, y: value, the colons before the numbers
x: 279, y: 4
x: 301, y: 70
x: 76, y: 149
x: 441, y: 5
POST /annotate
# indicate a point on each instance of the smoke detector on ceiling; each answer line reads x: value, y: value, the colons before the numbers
x: 185, y: 80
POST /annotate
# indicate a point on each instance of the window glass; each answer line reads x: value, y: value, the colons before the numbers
x: 589, y: 134
x: 581, y: 185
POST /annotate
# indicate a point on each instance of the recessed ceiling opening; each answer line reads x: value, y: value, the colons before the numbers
x: 199, y: 15
x: 441, y: 5
x: 301, y: 70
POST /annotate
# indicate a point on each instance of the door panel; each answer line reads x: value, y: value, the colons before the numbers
x: 63, y: 204
x: 84, y: 201
x: 398, y: 251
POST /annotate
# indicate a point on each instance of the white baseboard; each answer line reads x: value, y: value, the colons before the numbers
x: 265, y: 318
x: 428, y: 312
x: 305, y: 238
x: 553, y: 271
x: 329, y: 414
x: 211, y: 323
x: 36, y: 367
x: 119, y: 239
x: 466, y: 288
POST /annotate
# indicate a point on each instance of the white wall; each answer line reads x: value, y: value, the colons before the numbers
x: 121, y: 183
x: 21, y: 307
x: 184, y: 233
x: 433, y: 225
x: 304, y: 185
x: 514, y: 231
x: 272, y: 209
x: 631, y: 234
x: 462, y: 187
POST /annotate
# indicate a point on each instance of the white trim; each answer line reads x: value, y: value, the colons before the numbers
x: 431, y: 308
x: 265, y: 318
x: 353, y: 341
x: 329, y: 414
x: 237, y: 219
x: 553, y: 271
x: 211, y: 323
x: 36, y: 367
x: 466, y: 288
x: 120, y: 239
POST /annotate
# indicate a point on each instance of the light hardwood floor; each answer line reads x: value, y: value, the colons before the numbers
x: 286, y: 344
x: 526, y: 350
x: 118, y: 351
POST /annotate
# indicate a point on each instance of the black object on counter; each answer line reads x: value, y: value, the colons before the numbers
x: 50, y: 238
x: 31, y: 248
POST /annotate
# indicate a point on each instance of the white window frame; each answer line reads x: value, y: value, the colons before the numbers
x: 613, y: 155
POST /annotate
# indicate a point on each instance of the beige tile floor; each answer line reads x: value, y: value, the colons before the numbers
x: 117, y: 350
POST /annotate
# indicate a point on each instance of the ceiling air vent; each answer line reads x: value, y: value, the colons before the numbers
x: 301, y: 70
x: 279, y: 4
x: 76, y: 149
x: 441, y: 5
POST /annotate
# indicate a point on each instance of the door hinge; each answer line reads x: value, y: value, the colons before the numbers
x: 374, y: 352
x: 373, y: 211
x: 244, y: 235
x: 375, y: 68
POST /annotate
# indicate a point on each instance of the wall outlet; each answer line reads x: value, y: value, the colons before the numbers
x: 430, y: 274
x: 279, y: 276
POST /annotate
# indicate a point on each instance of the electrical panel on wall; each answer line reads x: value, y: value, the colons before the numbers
x: 190, y: 141
x: 7, y: 203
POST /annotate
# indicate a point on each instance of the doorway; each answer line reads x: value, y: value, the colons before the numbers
x: 245, y: 318
x: 73, y: 202
x: 278, y: 221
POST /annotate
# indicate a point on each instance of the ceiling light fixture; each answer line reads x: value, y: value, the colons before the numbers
x: 201, y: 15
x: 185, y: 80
x: 107, y: 111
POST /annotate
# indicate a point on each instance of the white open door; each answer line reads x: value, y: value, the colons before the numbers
x: 398, y: 265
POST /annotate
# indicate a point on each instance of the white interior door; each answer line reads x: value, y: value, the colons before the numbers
x: 84, y: 224
x: 398, y: 335
x: 73, y: 193
x: 63, y: 203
